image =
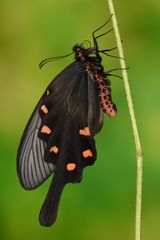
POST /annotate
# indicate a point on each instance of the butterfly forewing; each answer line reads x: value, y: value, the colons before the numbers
x: 67, y: 106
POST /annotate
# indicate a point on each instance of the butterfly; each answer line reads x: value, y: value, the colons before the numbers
x: 59, y: 136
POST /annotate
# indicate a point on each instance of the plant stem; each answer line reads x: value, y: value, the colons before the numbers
x: 139, y: 154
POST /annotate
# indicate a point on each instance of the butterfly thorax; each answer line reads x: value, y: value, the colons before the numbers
x: 88, y: 55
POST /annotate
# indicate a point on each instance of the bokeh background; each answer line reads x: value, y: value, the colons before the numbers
x: 103, y: 205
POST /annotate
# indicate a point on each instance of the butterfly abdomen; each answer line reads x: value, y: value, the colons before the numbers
x: 104, y: 92
x: 94, y: 67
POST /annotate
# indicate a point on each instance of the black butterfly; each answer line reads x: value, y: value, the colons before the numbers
x: 59, y: 137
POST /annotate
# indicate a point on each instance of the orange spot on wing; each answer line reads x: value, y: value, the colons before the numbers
x: 87, y: 153
x: 71, y: 166
x: 44, y: 109
x: 45, y: 129
x: 84, y: 131
x: 54, y: 149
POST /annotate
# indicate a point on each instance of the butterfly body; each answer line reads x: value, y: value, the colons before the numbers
x: 59, y: 137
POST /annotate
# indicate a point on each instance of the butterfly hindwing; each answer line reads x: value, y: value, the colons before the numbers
x: 31, y: 168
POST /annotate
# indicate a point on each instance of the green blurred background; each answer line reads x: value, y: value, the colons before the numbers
x: 103, y: 205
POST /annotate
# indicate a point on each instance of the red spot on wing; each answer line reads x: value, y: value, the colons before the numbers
x: 84, y: 131
x: 44, y: 109
x: 45, y: 129
x: 71, y: 166
x: 54, y: 149
x: 87, y: 153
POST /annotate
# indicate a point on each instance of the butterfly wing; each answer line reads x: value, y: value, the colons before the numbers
x: 59, y: 136
x: 71, y: 115
x: 31, y: 168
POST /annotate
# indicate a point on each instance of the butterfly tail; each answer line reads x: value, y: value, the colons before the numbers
x: 49, y: 210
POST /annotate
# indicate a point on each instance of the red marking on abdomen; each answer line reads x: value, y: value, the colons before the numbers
x: 112, y: 113
x: 105, y: 96
x: 101, y: 87
x: 110, y: 109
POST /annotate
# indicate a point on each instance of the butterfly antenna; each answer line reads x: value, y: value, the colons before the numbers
x: 47, y: 60
x: 86, y: 42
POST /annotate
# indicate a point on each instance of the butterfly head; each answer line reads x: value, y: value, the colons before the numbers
x: 83, y: 50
